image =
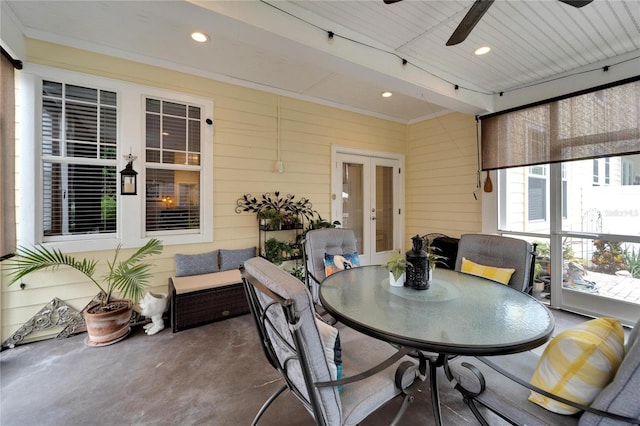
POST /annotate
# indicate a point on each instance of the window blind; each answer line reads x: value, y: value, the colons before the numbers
x: 599, y: 123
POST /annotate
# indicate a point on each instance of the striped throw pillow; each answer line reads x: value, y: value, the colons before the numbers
x: 501, y: 275
x: 578, y: 363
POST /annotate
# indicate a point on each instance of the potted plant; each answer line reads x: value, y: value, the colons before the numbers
x: 397, y: 266
x: 270, y: 219
x: 108, y: 320
x: 274, y: 251
x: 434, y: 258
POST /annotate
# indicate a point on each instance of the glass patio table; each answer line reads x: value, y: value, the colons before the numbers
x: 459, y: 314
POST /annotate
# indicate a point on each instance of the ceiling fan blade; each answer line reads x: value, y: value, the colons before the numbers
x: 469, y: 21
x: 391, y: 1
x: 576, y: 3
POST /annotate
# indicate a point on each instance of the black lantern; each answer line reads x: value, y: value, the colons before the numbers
x: 417, y: 275
x: 129, y: 178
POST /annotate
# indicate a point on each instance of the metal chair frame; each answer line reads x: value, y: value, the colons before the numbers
x: 472, y: 401
x: 260, y: 314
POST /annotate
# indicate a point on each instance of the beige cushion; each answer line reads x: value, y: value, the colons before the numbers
x: 206, y: 281
x: 578, y: 363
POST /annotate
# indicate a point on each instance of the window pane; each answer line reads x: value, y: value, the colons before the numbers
x: 108, y: 98
x: 79, y: 93
x: 194, y: 112
x: 172, y: 108
x: 153, y: 105
x: 153, y: 131
x: 537, y: 193
x: 194, y: 136
x: 172, y: 200
x: 602, y: 267
x: 153, y: 156
x: 108, y: 125
x: 81, y: 122
x: 50, y: 88
x: 79, y: 199
x: 524, y: 203
x: 612, y: 208
x: 51, y: 117
x: 174, y: 133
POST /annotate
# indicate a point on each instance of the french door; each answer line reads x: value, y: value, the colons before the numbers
x: 367, y: 196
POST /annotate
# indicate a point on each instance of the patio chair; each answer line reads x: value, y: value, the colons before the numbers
x: 500, y: 252
x: 444, y: 246
x: 294, y: 341
x: 317, y: 243
x: 501, y: 385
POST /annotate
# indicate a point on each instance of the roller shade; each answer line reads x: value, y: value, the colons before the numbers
x: 600, y: 123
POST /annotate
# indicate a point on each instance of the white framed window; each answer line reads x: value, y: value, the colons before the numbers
x: 172, y: 155
x: 79, y: 177
x: 76, y: 131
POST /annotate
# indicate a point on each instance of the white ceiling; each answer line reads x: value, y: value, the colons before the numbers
x: 283, y: 46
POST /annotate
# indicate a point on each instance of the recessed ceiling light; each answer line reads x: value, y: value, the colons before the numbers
x: 482, y: 50
x: 200, y: 37
x: 386, y: 94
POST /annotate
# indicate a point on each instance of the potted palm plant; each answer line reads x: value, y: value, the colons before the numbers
x: 107, y: 321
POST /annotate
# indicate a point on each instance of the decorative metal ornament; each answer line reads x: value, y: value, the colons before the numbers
x: 418, y: 275
x: 54, y: 314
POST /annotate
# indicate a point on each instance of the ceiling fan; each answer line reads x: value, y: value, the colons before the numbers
x: 478, y: 9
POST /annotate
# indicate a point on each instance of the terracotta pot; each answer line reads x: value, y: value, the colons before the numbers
x: 108, y: 323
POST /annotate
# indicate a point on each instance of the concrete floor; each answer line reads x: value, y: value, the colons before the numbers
x: 210, y: 375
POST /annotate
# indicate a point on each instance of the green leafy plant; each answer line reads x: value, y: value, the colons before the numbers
x: 433, y: 258
x: 298, y: 272
x: 397, y: 265
x: 292, y: 212
x: 632, y: 259
x: 273, y: 218
x: 608, y: 257
x: 276, y: 251
x: 128, y: 277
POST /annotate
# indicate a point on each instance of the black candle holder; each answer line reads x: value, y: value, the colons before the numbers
x: 418, y: 274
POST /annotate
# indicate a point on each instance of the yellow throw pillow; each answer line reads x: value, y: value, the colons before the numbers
x: 578, y: 363
x: 501, y: 275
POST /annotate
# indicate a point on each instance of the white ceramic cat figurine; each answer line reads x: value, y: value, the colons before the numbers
x: 152, y: 306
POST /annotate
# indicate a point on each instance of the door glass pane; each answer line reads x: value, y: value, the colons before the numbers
x: 384, y: 209
x: 353, y: 200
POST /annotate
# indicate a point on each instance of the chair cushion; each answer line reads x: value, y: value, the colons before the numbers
x: 578, y: 363
x: 498, y: 251
x: 196, y: 264
x: 331, y: 342
x: 232, y: 259
x: 501, y: 275
x: 339, y: 262
x: 621, y: 396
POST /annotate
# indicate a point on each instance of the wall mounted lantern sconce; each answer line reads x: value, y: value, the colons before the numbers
x: 129, y: 177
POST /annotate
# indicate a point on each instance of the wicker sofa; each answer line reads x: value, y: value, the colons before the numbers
x: 207, y: 287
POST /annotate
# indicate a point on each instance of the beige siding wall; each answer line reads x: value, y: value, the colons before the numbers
x: 441, y: 177
x: 245, y: 152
